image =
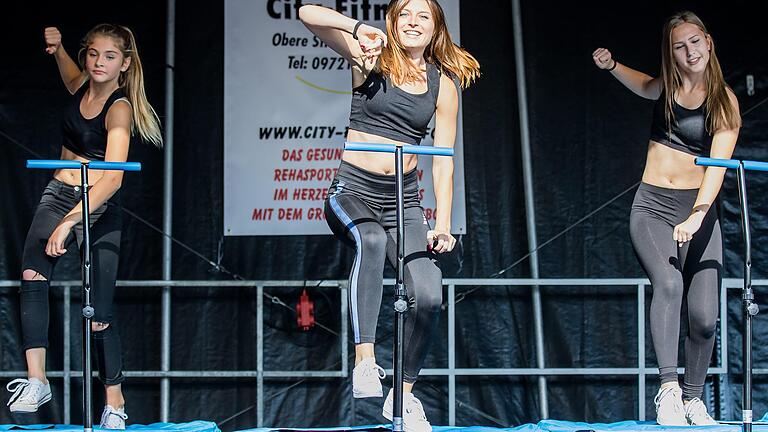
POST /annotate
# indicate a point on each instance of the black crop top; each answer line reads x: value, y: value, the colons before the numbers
x: 380, y: 108
x: 84, y: 137
x: 688, y: 131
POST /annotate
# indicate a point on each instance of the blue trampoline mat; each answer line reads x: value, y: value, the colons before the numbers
x: 195, y: 426
x: 641, y: 426
x: 387, y: 428
x: 544, y: 426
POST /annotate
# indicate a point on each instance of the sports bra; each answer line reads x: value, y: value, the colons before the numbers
x: 688, y: 131
x: 84, y: 137
x: 381, y: 108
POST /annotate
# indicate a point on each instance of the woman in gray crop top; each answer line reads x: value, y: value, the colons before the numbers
x: 673, y: 222
x: 107, y: 105
x: 400, y: 79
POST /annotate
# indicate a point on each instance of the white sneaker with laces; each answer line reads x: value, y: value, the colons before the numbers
x: 366, y: 379
x: 696, y: 413
x: 28, y: 394
x: 414, y: 419
x: 113, y: 418
x: 669, y: 407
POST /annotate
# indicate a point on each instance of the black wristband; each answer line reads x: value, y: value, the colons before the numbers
x: 354, y: 31
x: 613, y: 67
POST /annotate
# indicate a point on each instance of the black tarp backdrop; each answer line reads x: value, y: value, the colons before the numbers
x: 588, y: 140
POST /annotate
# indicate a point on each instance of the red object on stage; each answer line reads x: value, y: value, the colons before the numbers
x: 305, y: 311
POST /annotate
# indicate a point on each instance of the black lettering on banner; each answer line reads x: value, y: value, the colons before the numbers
x: 298, y: 132
x: 282, y: 39
x: 365, y: 10
x: 330, y: 63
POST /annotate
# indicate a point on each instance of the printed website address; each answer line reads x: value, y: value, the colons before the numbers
x: 300, y: 132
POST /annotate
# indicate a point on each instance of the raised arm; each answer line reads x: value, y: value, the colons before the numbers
x: 339, y: 32
x: 641, y: 84
x: 442, y: 166
x: 71, y: 74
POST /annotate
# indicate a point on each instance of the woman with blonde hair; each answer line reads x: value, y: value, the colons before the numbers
x: 401, y: 78
x: 109, y: 104
x: 674, y: 224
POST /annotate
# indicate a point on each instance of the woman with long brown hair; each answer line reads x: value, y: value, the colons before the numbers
x: 400, y: 80
x: 674, y: 224
x: 109, y: 104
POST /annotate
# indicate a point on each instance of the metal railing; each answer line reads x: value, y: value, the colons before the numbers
x: 451, y: 372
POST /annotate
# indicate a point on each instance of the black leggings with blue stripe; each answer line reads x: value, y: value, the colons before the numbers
x: 360, y: 210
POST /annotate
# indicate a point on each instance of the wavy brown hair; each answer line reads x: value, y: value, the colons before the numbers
x: 145, y: 119
x: 720, y: 111
x: 441, y: 51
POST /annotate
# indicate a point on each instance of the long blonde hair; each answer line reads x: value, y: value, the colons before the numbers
x: 441, y: 51
x: 145, y: 119
x: 720, y: 111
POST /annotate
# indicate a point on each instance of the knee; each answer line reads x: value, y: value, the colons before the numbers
x: 98, y: 326
x: 430, y: 301
x: 373, y: 240
x: 428, y: 293
x: 703, y: 328
x: 667, y: 288
x: 32, y: 275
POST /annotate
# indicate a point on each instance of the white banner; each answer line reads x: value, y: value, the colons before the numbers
x: 286, y: 110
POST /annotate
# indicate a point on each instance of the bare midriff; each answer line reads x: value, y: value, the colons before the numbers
x: 672, y: 169
x: 72, y: 176
x: 380, y: 163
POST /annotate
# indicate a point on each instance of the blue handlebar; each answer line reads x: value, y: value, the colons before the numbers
x: 115, y: 166
x: 390, y: 148
x: 722, y: 163
x: 755, y: 166
x: 73, y: 164
x: 732, y: 163
x: 53, y: 164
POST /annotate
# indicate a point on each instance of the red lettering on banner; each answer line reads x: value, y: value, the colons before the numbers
x: 309, y: 174
x: 280, y: 194
x: 289, y: 213
x: 292, y: 155
x: 309, y: 194
x: 430, y: 214
x: 262, y: 214
x: 420, y: 173
x: 316, y: 214
x: 324, y: 154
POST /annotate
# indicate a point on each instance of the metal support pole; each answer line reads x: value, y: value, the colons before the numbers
x: 530, y: 209
x: 452, y: 355
x: 67, y: 362
x: 748, y: 297
x: 641, y: 352
x: 88, y: 311
x: 401, y: 305
x: 260, y: 356
x: 165, y: 338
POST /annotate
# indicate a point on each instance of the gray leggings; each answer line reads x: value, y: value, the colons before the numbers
x: 693, y: 272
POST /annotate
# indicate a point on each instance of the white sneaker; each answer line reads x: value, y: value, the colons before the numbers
x: 112, y: 418
x: 669, y: 407
x: 414, y: 419
x: 366, y: 379
x: 696, y: 413
x: 28, y: 395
